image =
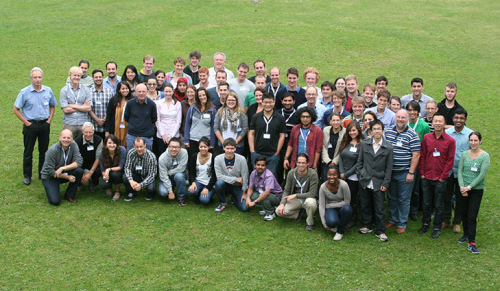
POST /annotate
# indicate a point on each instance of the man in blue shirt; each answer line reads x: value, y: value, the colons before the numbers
x: 112, y: 80
x: 35, y: 107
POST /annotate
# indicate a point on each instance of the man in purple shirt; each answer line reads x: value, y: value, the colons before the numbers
x: 263, y: 190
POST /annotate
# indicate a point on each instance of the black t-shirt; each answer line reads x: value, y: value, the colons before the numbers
x: 334, y: 137
x: 266, y: 142
x: 290, y: 122
x: 193, y: 75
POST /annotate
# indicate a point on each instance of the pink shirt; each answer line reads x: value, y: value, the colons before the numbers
x: 169, y: 118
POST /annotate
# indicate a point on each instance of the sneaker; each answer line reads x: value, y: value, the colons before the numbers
x: 27, y: 181
x: 338, y: 236
x: 270, y: 217
x: 182, y: 202
x: 472, y: 247
x: 310, y: 227
x: 129, y: 197
x: 382, y: 237
x: 262, y: 212
x: 462, y: 239
x: 220, y: 208
x: 436, y: 233
x: 149, y: 196
x: 364, y: 230
x: 423, y: 229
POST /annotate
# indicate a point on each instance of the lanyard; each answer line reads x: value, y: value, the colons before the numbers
x: 290, y: 116
x: 65, y: 156
x: 307, y: 135
x: 267, y: 122
x: 415, y: 126
x: 272, y: 89
x: 123, y: 111
x: 74, y: 94
x: 300, y: 185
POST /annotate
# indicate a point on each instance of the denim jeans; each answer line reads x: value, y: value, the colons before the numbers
x: 399, y: 195
x: 338, y: 217
x: 52, y: 186
x: 199, y: 188
x: 222, y: 189
x: 130, y: 142
x: 433, y: 191
x: 271, y: 161
x: 179, y: 181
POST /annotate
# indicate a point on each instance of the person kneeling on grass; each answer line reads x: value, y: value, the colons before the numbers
x: 90, y: 147
x: 62, y: 164
x: 173, y: 171
x: 202, y: 173
x: 263, y: 189
x: 140, y: 170
x: 232, y: 177
x: 334, y: 199
x: 303, y: 183
x: 112, y: 161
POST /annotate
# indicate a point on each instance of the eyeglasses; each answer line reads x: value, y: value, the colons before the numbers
x: 305, y: 116
x: 174, y: 147
x: 229, y: 100
x: 267, y: 102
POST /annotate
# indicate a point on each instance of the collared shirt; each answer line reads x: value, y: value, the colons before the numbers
x: 437, y: 156
x: 300, y: 96
x: 461, y: 144
x: 145, y: 166
x: 35, y: 105
x: 108, y: 84
x: 422, y: 102
x: 212, y: 73
x: 265, y: 182
x: 405, y: 143
x: 85, y: 80
x: 420, y: 127
x: 320, y: 111
x: 92, y: 143
x: 241, y: 89
x: 100, y: 100
x: 327, y: 105
x: 388, y: 118
x: 78, y: 97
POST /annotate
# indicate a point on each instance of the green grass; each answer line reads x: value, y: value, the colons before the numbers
x: 97, y: 244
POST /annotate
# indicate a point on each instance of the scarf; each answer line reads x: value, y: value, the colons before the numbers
x: 231, y: 117
x: 178, y: 95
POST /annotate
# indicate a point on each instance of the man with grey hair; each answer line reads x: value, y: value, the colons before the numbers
x: 35, y: 106
x: 76, y: 102
x: 90, y: 146
x: 141, y: 115
x: 312, y: 102
x: 219, y: 62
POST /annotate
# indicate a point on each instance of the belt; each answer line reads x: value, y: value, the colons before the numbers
x: 38, y: 121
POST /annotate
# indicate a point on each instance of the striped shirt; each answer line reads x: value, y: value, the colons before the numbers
x: 100, y: 100
x: 145, y: 166
x: 405, y: 144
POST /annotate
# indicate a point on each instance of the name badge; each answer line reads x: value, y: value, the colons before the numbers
x: 286, y: 135
x: 46, y: 103
x: 261, y: 190
x: 266, y: 136
x: 399, y: 143
x: 330, y: 146
x: 90, y: 148
x: 98, y: 102
x: 436, y: 154
x: 206, y: 116
x: 138, y: 167
x: 122, y: 125
x: 238, y: 129
x: 353, y: 149
x: 473, y: 169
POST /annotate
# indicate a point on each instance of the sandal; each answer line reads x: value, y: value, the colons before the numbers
x: 116, y: 196
x: 108, y: 192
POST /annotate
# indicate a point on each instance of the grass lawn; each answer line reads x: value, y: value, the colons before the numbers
x: 98, y: 244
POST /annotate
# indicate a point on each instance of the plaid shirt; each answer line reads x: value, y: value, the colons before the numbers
x: 100, y: 100
x: 145, y: 166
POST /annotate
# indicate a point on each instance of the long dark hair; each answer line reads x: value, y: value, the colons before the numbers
x: 106, y: 159
x: 118, y: 96
x: 208, y: 105
x: 134, y: 69
x: 347, y: 137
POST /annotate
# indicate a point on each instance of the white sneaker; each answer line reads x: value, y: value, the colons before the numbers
x: 262, y: 212
x: 338, y: 236
x: 270, y: 217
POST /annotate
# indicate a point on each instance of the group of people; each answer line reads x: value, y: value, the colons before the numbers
x: 289, y: 150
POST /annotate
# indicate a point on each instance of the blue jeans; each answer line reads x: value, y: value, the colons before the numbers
x: 271, y: 161
x: 130, y: 142
x: 433, y: 191
x: 222, y: 189
x: 52, y: 186
x: 338, y: 217
x: 399, y: 195
x: 199, y: 188
x: 179, y: 181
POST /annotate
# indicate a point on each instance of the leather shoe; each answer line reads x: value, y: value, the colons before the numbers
x: 401, y: 230
x: 27, y: 181
x: 456, y: 228
x: 414, y: 217
x: 70, y: 199
x: 436, y: 233
x: 423, y: 229
x: 445, y: 225
x: 389, y: 224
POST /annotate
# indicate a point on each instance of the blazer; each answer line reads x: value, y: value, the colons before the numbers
x: 326, y: 140
x: 376, y: 167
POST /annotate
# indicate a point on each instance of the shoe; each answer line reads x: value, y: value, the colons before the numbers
x: 414, y: 217
x: 116, y: 197
x: 338, y: 236
x: 382, y: 237
x: 220, y: 208
x: 436, y: 233
x: 423, y: 229
x: 262, y: 212
x: 27, y: 181
x: 401, y: 230
x: 108, y: 192
x: 462, y: 239
x: 70, y: 199
x: 149, y: 196
x: 301, y: 213
x: 445, y: 225
x: 79, y: 188
x: 270, y: 217
x: 389, y: 224
x: 129, y: 197
x: 310, y: 227
x: 456, y: 228
x: 350, y: 224
x: 182, y: 202
x: 472, y: 247
x: 334, y: 229
x: 92, y: 187
x: 364, y: 230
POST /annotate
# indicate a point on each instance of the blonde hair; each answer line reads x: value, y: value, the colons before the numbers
x: 311, y: 70
x: 74, y: 70
x: 237, y: 108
